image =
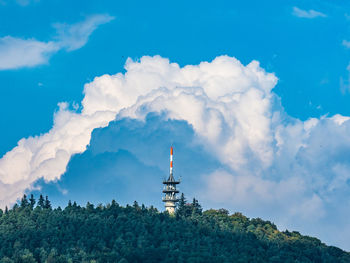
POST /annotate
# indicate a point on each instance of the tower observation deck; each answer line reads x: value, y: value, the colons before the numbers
x: 169, y: 189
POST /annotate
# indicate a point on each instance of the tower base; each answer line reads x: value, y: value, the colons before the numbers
x: 170, y: 207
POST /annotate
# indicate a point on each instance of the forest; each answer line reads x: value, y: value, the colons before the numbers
x: 34, y: 231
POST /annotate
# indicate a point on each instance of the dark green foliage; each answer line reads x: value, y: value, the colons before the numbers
x: 180, y: 211
x: 196, y: 207
x: 136, y: 205
x: 136, y: 233
x: 24, y: 202
x: 185, y: 209
x: 47, y: 204
x: 41, y: 202
x: 32, y: 201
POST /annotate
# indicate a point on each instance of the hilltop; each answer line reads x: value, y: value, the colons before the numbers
x: 112, y: 233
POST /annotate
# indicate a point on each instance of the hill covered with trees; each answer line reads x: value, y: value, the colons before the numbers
x: 35, y: 232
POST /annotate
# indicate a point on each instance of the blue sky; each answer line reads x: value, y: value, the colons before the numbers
x: 50, y: 49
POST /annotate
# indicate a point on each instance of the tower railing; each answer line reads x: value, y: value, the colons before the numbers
x: 169, y: 198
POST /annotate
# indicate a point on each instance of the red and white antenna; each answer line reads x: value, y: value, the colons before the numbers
x: 171, y: 160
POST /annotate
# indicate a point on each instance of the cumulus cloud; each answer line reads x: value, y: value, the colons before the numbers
x: 18, y: 52
x: 216, y: 98
x: 307, y: 13
x: 47, y: 156
x: 270, y: 161
x: 115, y: 159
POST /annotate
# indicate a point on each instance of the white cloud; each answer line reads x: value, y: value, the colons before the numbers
x: 293, y: 169
x: 345, y: 82
x: 26, y: 2
x: 217, y: 98
x: 47, y: 156
x: 72, y: 37
x: 23, y: 3
x: 307, y: 13
x: 346, y: 43
x: 17, y: 53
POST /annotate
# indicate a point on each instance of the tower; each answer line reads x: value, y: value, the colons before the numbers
x: 169, y: 189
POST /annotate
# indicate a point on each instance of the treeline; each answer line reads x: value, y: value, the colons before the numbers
x: 35, y: 232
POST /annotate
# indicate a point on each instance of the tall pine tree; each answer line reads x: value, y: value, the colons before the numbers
x: 24, y: 201
x: 47, y: 204
x: 41, y: 202
x: 181, y: 206
x: 32, y: 201
x: 196, y: 207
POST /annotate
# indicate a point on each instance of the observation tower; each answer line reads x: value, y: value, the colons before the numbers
x: 169, y: 189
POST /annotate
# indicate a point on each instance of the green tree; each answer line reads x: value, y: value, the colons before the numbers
x: 114, y: 233
x: 180, y: 211
x: 6, y: 260
x: 32, y: 201
x: 24, y: 202
x: 41, y: 202
x: 136, y: 205
x: 47, y: 204
x: 196, y: 207
x: 27, y: 257
x: 89, y: 206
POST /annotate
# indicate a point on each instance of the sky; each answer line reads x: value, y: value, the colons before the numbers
x: 254, y: 96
